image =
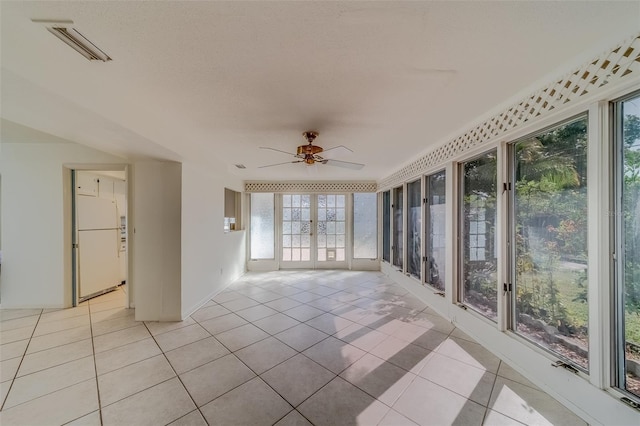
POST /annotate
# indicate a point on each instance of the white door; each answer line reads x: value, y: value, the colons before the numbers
x: 296, y: 248
x: 313, y: 231
x: 331, y: 231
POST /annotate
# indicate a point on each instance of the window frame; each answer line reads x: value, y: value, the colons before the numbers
x: 460, y: 228
x: 398, y: 254
x: 617, y: 248
x: 407, y: 217
x: 510, y: 235
x: 386, y: 232
x: 428, y: 231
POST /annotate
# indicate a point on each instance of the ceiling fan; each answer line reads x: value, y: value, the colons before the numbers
x: 310, y: 154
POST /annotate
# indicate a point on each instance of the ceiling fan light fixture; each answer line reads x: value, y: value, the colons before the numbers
x: 309, y: 154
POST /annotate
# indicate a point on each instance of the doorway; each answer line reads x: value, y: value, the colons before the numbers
x: 99, y: 233
x: 314, y: 231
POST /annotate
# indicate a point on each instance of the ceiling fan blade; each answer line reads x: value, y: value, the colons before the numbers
x: 278, y: 150
x: 336, y: 152
x: 344, y: 164
x: 280, y: 164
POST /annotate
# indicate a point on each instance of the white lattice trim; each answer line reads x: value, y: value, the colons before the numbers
x: 609, y: 68
x: 310, y: 187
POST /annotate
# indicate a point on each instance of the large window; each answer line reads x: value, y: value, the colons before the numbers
x: 414, y: 225
x: 436, y: 221
x: 386, y: 226
x: 479, y: 285
x: 397, y: 227
x: 365, y: 226
x: 627, y: 269
x: 262, y: 226
x: 549, y: 239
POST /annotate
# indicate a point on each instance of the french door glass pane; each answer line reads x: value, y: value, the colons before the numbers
x: 550, y: 238
x: 386, y: 226
x: 365, y: 226
x: 479, y: 263
x: 262, y: 226
x: 629, y: 224
x: 332, y: 227
x: 414, y: 227
x: 436, y: 204
x: 397, y: 227
x: 296, y: 231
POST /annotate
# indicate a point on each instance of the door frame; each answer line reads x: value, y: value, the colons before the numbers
x: 286, y: 264
x: 313, y: 263
x: 70, y: 229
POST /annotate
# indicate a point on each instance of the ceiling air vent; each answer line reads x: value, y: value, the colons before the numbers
x: 73, y: 38
x: 80, y: 43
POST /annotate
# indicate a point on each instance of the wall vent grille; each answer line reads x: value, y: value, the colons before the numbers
x: 310, y: 187
x: 609, y: 68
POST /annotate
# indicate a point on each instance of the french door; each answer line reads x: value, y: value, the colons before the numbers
x: 314, y: 231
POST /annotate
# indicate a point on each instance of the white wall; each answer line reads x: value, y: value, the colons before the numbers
x: 35, y: 237
x: 211, y: 258
x: 155, y: 237
x: 180, y: 256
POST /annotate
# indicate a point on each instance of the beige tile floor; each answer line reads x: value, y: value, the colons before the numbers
x: 285, y: 348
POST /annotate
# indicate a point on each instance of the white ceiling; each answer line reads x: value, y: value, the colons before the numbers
x: 211, y: 82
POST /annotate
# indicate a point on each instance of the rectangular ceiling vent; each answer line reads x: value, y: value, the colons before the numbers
x: 80, y: 43
x: 73, y: 38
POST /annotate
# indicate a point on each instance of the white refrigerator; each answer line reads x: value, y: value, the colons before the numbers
x: 98, y: 226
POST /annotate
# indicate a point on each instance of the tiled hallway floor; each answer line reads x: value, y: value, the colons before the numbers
x: 286, y: 348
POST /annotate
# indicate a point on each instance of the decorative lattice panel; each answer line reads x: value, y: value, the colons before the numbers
x: 310, y: 187
x: 609, y: 68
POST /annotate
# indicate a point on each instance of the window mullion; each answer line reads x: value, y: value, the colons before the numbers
x: 503, y: 229
x: 598, y: 263
x: 424, y: 205
x: 451, y: 233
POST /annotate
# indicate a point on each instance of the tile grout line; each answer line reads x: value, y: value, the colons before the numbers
x: 176, y: 373
x: 52, y: 392
x: 140, y: 391
x: 230, y: 353
x: 241, y: 361
x: 57, y: 365
x: 95, y: 367
x: 59, y: 331
x: 367, y: 392
x: 265, y: 382
x: 259, y: 375
x: 60, y: 345
x: 20, y: 364
x: 486, y: 409
x: 335, y: 375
